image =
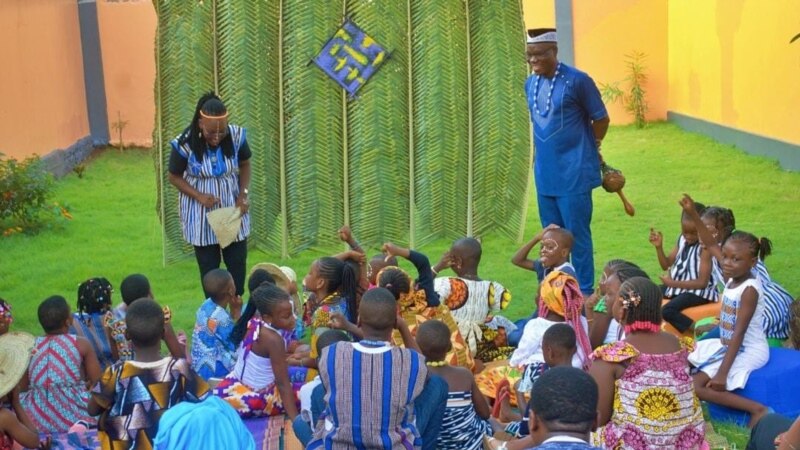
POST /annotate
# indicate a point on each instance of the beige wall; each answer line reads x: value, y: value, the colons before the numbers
x: 127, y: 31
x: 41, y: 78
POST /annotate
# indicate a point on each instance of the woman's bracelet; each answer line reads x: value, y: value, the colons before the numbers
x: 434, y: 271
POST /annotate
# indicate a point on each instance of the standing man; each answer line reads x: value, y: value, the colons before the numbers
x: 569, y: 123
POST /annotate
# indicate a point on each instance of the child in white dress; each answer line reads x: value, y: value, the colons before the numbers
x: 724, y: 364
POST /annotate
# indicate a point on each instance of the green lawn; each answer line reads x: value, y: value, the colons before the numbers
x: 115, y: 230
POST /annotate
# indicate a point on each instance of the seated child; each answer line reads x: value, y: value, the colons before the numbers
x: 310, y: 410
x: 94, y: 302
x: 61, y: 369
x: 724, y: 365
x: 15, y: 352
x: 418, y: 301
x: 131, y: 396
x: 259, y: 384
x: 134, y: 287
x: 649, y: 367
x: 473, y: 302
x: 558, y: 347
x: 213, y: 353
x: 554, y: 255
x: 603, y: 326
x: 378, y: 410
x: 714, y: 226
x: 689, y: 282
x: 561, y: 302
x: 465, y: 420
x: 10, y: 400
x: 258, y: 277
x: 333, y: 285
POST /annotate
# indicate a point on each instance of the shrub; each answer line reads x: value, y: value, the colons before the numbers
x: 25, y: 187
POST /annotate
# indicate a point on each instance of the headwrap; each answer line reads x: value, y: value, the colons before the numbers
x: 560, y: 294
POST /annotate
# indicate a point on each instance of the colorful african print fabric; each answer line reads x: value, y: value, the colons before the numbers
x: 415, y: 311
x: 57, y: 394
x: 654, y: 401
x: 250, y: 387
x: 474, y: 305
x: 213, y: 353
x: 135, y: 394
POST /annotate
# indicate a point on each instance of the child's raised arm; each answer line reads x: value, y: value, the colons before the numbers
x: 408, y: 339
x: 170, y: 338
x: 423, y: 266
x: 705, y: 235
x: 346, y: 236
x: 520, y: 258
x: 747, y: 307
x: 657, y: 239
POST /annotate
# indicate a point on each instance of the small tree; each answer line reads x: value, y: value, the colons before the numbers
x: 118, y: 126
x: 634, y: 100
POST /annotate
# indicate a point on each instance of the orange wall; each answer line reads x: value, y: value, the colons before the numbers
x: 127, y: 31
x: 604, y: 32
x: 731, y: 63
x: 539, y: 13
x: 42, y: 77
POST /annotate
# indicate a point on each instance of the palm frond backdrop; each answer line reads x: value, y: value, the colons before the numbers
x: 436, y: 144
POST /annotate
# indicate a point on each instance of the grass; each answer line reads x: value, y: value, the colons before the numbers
x: 116, y: 231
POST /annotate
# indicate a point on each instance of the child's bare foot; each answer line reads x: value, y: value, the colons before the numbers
x: 507, y: 413
x: 756, y: 416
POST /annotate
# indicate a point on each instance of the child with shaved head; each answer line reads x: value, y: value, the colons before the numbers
x: 213, y: 352
x: 475, y: 303
x: 373, y: 390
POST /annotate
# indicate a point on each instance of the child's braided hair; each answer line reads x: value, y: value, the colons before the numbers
x: 94, y: 296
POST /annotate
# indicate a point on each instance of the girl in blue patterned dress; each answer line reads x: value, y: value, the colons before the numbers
x: 466, y: 419
x: 210, y: 166
x: 94, y: 302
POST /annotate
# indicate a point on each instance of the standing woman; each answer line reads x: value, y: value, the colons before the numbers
x: 210, y: 166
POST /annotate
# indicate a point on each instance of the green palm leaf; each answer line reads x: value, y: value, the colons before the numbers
x: 248, y: 56
x: 502, y: 141
x: 313, y: 126
x: 441, y: 121
x: 377, y: 129
x: 185, y: 63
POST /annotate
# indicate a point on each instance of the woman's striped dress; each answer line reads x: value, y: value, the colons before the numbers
x: 216, y: 175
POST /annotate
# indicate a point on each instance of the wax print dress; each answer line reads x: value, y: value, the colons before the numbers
x: 57, y: 395
x: 250, y: 387
x: 471, y: 302
x: 654, y: 401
